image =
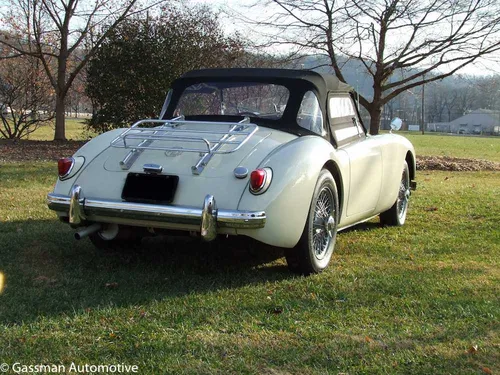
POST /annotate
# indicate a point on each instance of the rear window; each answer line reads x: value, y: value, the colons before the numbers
x: 234, y: 98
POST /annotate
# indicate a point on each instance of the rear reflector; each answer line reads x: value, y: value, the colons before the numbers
x: 64, y: 166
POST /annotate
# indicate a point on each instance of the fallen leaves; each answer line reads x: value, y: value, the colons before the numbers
x: 374, y: 343
x: 445, y: 163
x: 431, y: 209
x: 473, y: 349
x: 487, y: 370
x: 36, y: 150
x: 275, y: 310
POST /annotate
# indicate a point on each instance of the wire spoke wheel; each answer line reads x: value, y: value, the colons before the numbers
x: 315, y: 248
x: 404, y: 194
x: 323, y: 222
x: 396, y: 215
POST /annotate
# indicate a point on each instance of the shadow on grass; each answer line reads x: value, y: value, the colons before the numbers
x: 363, y: 227
x: 47, y: 272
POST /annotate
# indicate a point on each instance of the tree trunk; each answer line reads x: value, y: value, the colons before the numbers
x: 62, y: 87
x: 376, y: 107
x: 375, y: 117
x: 60, y: 133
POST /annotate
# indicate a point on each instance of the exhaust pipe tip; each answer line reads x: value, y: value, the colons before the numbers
x: 84, y: 232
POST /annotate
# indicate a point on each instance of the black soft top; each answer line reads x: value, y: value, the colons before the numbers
x: 297, y: 82
x: 322, y: 82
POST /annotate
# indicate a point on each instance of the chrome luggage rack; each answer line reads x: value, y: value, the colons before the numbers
x: 205, y: 142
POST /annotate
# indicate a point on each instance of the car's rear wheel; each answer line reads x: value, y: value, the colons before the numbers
x: 396, y: 215
x: 314, y: 250
x: 115, y: 237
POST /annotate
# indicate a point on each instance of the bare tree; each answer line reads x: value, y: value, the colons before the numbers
x: 53, y: 31
x: 421, y: 40
x: 77, y: 102
x: 488, y: 92
x: 26, y: 99
x: 436, y: 102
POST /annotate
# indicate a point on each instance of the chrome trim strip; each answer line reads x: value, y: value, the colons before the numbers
x: 107, y: 210
x: 241, y: 219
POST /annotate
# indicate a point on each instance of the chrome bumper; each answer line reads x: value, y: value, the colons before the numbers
x: 80, y: 210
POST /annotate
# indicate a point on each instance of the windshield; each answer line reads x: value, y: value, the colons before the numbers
x: 233, y: 98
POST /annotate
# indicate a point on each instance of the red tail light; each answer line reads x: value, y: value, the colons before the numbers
x: 64, y: 166
x: 260, y: 179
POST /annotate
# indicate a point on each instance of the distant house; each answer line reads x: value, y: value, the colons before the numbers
x: 480, y: 121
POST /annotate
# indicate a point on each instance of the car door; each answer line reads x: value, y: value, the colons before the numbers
x: 365, y: 157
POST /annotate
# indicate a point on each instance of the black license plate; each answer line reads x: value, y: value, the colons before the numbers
x: 150, y: 188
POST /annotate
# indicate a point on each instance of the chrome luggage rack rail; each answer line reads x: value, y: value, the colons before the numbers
x: 205, y: 142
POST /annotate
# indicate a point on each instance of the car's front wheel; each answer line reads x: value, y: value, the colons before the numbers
x: 396, y: 215
x: 315, y: 248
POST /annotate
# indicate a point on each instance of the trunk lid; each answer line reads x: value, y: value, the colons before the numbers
x: 104, y: 178
x: 176, y: 160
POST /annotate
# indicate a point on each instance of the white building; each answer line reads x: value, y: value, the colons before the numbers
x: 480, y: 121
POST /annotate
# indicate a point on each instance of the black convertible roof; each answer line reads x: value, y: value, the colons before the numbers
x: 298, y: 82
x: 323, y: 82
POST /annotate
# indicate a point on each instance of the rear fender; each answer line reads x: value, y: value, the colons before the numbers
x: 89, y: 151
x: 395, y: 151
x: 296, y: 166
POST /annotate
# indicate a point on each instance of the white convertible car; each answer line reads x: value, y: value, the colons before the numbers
x: 277, y: 155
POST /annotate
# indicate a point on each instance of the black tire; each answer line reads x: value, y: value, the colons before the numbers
x: 315, y: 248
x: 396, y: 215
x: 126, y: 240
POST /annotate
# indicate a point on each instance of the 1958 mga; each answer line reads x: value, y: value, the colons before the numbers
x: 277, y: 155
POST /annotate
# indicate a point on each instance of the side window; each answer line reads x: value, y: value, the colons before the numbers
x: 309, y: 116
x: 344, y: 122
x: 341, y: 107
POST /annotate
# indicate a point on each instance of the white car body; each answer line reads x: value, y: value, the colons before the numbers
x: 209, y: 198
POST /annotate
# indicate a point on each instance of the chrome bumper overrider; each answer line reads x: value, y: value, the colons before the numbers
x: 81, y: 210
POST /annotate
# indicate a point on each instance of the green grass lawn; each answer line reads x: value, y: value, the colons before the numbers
x: 469, y: 147
x: 75, y: 130
x: 422, y: 299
